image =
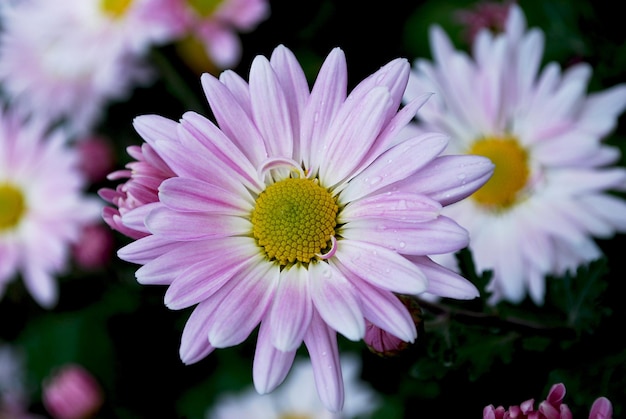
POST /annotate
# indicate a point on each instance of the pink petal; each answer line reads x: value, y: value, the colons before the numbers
x: 556, y: 394
x: 270, y: 109
x: 202, y: 279
x: 271, y: 365
x: 549, y: 411
x: 182, y: 194
x: 381, y: 267
x: 396, y: 164
x: 352, y: 132
x: 243, y: 308
x: 194, y: 344
x: 41, y: 285
x: 335, y: 300
x: 291, y: 310
x: 163, y: 269
x: 238, y: 88
x: 601, y: 409
x: 233, y: 120
x: 444, y: 282
x: 135, y: 219
x: 321, y: 342
x: 153, y: 128
x: 435, y: 237
x: 200, y: 135
x: 143, y: 250
x: 186, y: 226
x: 398, y: 206
x: 393, y: 76
x: 296, y: 88
x: 391, y: 134
x: 384, y: 309
x: 449, y: 179
x: 327, y: 96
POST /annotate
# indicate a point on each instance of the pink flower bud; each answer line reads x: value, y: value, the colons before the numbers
x: 72, y: 393
x: 385, y: 344
x: 95, y: 247
x: 96, y: 158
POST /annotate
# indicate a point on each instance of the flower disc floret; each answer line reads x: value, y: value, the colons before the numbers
x: 12, y: 206
x: 115, y: 8
x: 510, y: 175
x: 294, y: 220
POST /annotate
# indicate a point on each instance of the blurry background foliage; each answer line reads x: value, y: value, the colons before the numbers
x: 468, y: 355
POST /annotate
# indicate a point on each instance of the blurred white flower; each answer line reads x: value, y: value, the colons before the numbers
x: 297, y: 397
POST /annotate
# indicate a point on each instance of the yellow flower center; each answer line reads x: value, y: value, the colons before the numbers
x: 115, y: 8
x: 12, y: 206
x: 510, y: 174
x: 204, y: 7
x: 294, y: 219
x: 294, y: 416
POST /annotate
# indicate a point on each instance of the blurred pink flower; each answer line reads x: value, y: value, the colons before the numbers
x: 94, y: 249
x: 266, y: 221
x: 491, y: 15
x: 551, y: 408
x: 97, y: 157
x: 65, y: 61
x: 215, y: 24
x: 43, y: 207
x: 72, y: 392
x: 552, y: 189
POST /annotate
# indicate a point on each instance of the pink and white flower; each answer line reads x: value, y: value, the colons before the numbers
x: 215, y: 25
x: 65, y: 61
x: 301, y: 211
x: 43, y: 208
x: 550, y: 194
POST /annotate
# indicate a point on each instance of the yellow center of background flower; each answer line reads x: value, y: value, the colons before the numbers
x: 204, y: 7
x: 510, y: 174
x: 115, y: 8
x: 293, y: 220
x: 12, y: 206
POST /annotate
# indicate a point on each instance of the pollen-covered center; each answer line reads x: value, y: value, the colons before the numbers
x: 510, y: 174
x: 204, y: 8
x: 12, y: 206
x: 294, y: 220
x: 115, y: 8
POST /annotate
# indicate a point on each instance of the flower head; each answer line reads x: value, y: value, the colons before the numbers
x: 549, y: 195
x: 207, y: 29
x: 71, y: 392
x: 551, y: 408
x: 301, y: 210
x: 42, y: 205
x: 484, y: 15
x: 64, y: 61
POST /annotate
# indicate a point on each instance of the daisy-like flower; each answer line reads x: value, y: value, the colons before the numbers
x: 208, y: 29
x: 297, y: 397
x: 550, y: 192
x: 65, y: 61
x: 301, y: 210
x: 43, y: 209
